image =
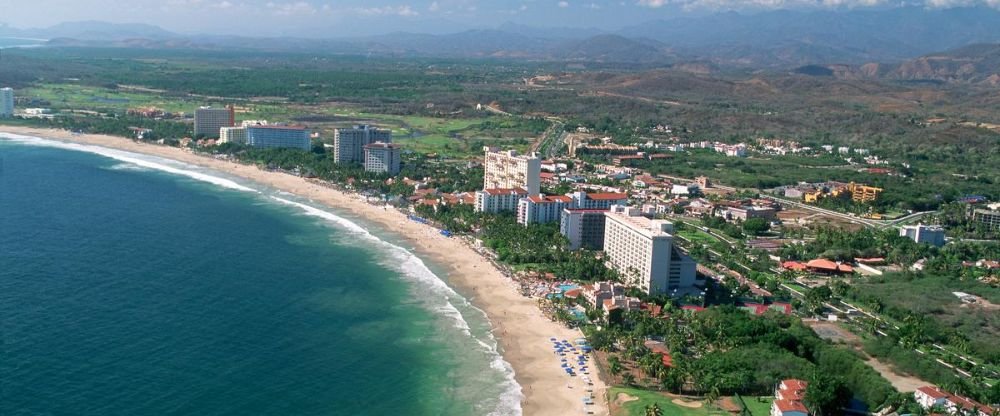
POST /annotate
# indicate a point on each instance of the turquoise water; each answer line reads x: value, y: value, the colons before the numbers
x: 131, y: 285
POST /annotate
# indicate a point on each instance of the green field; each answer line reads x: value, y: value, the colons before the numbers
x: 453, y: 136
x: 697, y: 236
x: 647, y: 398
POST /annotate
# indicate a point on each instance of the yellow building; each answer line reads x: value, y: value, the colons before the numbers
x: 812, y: 197
x: 863, y: 193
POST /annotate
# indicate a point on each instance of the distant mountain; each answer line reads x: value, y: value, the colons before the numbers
x: 549, y: 32
x: 973, y: 64
x: 92, y: 30
x: 613, y: 48
x: 791, y: 38
x: 839, y: 40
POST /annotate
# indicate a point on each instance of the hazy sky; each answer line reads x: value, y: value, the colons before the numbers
x: 326, y: 18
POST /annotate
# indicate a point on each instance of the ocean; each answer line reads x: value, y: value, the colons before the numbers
x: 134, y: 285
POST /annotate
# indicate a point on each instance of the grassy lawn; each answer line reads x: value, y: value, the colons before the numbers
x: 638, y: 407
x: 697, y: 236
x: 759, y: 406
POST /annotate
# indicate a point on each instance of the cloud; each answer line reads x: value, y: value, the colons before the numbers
x: 652, y: 3
x: 564, y: 4
x: 593, y: 6
x: 401, y: 10
x: 290, y: 9
x: 434, y: 6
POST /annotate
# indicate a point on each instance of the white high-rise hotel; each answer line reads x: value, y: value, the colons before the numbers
x: 6, y: 102
x: 644, y: 254
x: 349, y: 144
x: 508, y: 170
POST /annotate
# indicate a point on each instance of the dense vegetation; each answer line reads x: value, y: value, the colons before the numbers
x: 724, y: 350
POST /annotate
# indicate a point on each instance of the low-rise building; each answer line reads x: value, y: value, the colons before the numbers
x: 499, y: 199
x: 930, y: 397
x: 923, y: 234
x: 597, y: 293
x: 863, y: 193
x: 744, y: 213
x: 988, y: 217
x: 788, y: 398
x: 621, y: 302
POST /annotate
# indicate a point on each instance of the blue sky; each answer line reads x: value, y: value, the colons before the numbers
x: 334, y: 18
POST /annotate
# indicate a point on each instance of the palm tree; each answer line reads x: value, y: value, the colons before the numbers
x: 628, y: 379
x: 654, y: 410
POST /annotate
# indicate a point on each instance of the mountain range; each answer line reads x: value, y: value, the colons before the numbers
x: 897, y: 42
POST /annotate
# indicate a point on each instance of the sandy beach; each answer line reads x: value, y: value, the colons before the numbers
x: 519, y: 325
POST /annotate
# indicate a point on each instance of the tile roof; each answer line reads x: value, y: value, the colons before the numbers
x: 607, y: 196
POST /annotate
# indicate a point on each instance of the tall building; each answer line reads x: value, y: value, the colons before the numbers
x: 642, y: 251
x: 6, y: 102
x: 584, y: 228
x: 236, y: 135
x: 508, y: 169
x: 929, y: 234
x: 499, y: 200
x: 349, y: 144
x: 208, y: 121
x: 278, y: 136
x: 382, y: 157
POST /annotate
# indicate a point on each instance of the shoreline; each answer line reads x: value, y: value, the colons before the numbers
x: 521, y: 330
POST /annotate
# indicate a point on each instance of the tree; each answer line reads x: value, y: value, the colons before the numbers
x: 826, y: 394
x: 614, y: 365
x: 756, y: 226
x: 628, y: 379
x: 654, y: 410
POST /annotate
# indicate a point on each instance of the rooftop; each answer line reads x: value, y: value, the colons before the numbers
x: 505, y: 191
x: 274, y: 127
x: 607, y: 196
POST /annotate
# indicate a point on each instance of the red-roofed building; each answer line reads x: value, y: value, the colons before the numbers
x: 828, y: 267
x: 788, y: 398
x: 541, y: 209
x: 498, y: 200
x: 692, y: 308
x: 760, y: 309
x: 788, y: 408
x: 658, y: 348
x: 930, y: 396
x: 604, y: 200
x: 794, y: 266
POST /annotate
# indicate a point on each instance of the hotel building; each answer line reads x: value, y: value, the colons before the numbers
x: 988, y: 217
x: 642, y: 251
x: 349, y: 144
x: 278, y: 136
x: 929, y: 234
x: 209, y: 121
x: 382, y: 158
x: 499, y: 200
x: 541, y: 209
x: 236, y: 135
x: 6, y: 102
x: 584, y: 228
x: 508, y: 169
